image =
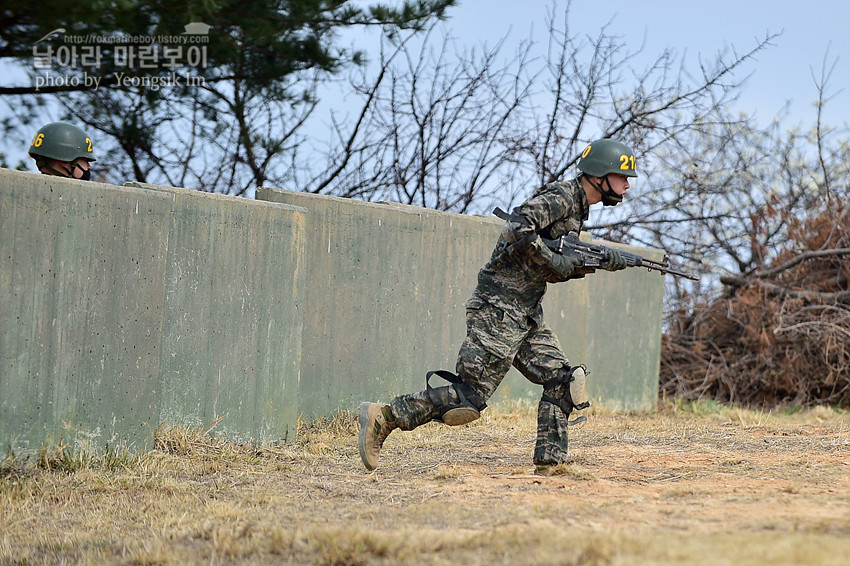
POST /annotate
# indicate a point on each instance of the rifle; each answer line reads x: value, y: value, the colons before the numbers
x: 594, y: 255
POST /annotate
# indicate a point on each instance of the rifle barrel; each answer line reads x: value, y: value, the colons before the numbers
x: 677, y: 273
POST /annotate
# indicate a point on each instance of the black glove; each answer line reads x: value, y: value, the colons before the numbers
x: 564, y: 264
x: 614, y: 261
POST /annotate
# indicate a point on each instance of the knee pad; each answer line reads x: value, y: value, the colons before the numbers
x: 567, y: 390
x: 456, y: 404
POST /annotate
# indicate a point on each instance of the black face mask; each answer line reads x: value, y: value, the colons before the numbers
x: 86, y: 172
x: 609, y: 197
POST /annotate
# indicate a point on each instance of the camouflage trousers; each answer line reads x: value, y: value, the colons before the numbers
x: 493, y: 343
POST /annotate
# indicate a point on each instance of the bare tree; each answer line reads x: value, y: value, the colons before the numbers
x: 463, y: 129
x: 434, y: 128
x: 730, y: 194
x: 766, y: 216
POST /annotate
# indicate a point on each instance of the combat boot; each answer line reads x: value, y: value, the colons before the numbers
x: 375, y: 426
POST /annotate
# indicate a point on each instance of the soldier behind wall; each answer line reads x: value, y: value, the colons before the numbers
x: 63, y: 150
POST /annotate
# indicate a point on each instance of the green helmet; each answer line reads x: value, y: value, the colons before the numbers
x: 61, y: 141
x: 607, y: 156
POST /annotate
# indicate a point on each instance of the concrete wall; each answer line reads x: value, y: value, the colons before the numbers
x: 386, y: 299
x: 125, y: 307
x: 385, y: 296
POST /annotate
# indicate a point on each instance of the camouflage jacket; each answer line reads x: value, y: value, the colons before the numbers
x: 516, y: 283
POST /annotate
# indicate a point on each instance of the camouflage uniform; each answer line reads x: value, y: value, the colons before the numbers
x: 504, y: 321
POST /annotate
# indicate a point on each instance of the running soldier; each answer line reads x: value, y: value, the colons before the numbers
x: 504, y: 318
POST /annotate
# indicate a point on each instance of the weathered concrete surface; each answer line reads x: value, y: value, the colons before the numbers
x: 125, y: 307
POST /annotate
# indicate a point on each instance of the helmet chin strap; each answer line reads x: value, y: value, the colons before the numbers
x: 609, y: 197
x: 45, y: 167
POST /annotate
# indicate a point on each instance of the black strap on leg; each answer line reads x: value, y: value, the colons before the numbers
x: 464, y: 391
x: 565, y: 402
x: 513, y: 216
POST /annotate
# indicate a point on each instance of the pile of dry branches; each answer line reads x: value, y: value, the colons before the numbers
x: 778, y: 336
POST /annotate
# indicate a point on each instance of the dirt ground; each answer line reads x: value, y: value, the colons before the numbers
x: 687, y: 484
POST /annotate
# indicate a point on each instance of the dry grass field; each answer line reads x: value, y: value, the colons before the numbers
x: 686, y: 484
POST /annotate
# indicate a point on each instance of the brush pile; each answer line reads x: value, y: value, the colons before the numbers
x: 778, y: 336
